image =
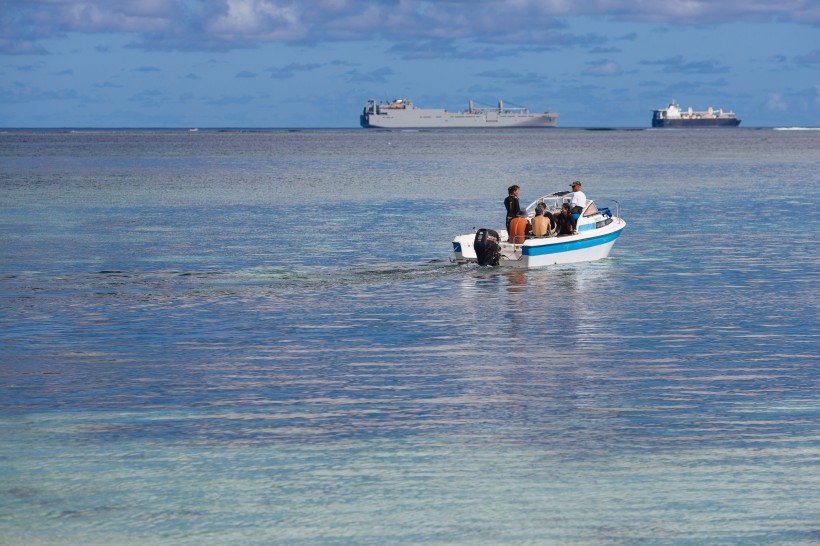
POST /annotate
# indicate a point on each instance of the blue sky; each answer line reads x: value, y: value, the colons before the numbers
x: 313, y: 63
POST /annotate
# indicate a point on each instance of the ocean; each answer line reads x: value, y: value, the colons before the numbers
x: 258, y: 337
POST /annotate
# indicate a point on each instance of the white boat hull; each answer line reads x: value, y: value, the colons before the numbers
x: 586, y: 246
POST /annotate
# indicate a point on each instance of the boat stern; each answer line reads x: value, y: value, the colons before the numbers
x: 463, y: 249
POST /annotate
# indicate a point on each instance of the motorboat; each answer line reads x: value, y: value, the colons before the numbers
x: 595, y: 234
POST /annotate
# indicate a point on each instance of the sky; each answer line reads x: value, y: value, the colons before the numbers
x: 314, y: 63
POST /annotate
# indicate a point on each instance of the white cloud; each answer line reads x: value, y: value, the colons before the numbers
x: 776, y: 103
x: 258, y: 20
x: 227, y: 24
x: 603, y: 68
x: 811, y: 58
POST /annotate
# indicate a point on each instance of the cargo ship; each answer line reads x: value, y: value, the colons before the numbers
x: 673, y: 116
x: 403, y: 114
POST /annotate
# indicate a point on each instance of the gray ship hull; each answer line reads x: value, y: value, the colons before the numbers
x: 407, y: 116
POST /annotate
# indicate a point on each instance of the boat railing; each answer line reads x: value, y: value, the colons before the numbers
x: 607, y: 210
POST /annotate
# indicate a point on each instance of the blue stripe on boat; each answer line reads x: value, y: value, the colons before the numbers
x: 456, y: 246
x: 569, y: 245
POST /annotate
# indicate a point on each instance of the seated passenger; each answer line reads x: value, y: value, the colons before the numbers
x: 519, y: 228
x: 566, y: 225
x: 541, y: 225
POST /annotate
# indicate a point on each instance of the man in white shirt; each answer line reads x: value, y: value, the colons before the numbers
x: 579, y: 201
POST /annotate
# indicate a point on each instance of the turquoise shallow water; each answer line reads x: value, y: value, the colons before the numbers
x: 257, y: 337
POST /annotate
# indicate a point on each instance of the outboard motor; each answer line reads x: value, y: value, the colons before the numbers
x: 487, y: 249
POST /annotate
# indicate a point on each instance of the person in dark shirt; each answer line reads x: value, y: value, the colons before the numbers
x: 566, y: 225
x: 511, y: 203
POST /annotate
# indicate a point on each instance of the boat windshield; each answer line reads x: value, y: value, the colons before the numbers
x: 553, y: 202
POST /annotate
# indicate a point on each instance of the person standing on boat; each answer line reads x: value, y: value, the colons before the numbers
x: 512, y: 204
x: 579, y: 201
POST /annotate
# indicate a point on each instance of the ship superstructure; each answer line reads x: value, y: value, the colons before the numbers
x: 673, y: 116
x: 403, y: 114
